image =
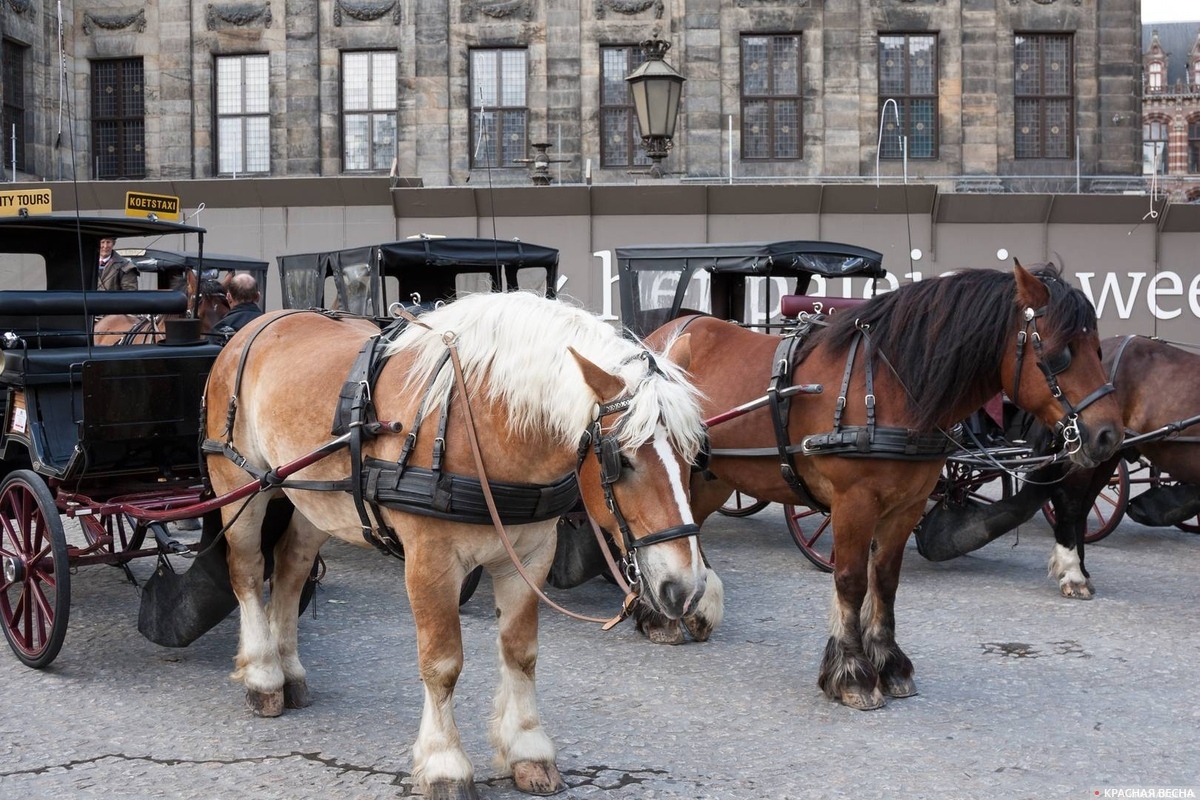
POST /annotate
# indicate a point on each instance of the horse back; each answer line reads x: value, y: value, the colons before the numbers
x: 1156, y: 384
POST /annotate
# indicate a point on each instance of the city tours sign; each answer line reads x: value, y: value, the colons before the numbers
x: 15, y: 202
x: 152, y: 206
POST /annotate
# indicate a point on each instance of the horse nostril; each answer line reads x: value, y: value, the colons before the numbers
x: 1107, y: 439
x: 674, y: 596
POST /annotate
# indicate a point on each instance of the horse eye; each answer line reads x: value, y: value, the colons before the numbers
x: 626, y: 463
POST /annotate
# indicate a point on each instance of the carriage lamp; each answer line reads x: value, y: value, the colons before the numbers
x: 656, y: 87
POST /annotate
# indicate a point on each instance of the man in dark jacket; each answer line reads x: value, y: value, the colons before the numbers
x: 244, y: 299
x: 117, y: 273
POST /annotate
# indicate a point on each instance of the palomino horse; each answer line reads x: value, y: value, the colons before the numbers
x: 540, y: 375
x: 146, y: 329
x: 1153, y: 389
x: 871, y: 444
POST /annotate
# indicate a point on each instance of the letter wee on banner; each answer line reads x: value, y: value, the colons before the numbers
x: 157, y: 206
x: 30, y: 201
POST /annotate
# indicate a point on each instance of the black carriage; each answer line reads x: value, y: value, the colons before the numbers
x: 743, y: 282
x: 103, y: 438
x: 416, y: 273
x: 169, y: 266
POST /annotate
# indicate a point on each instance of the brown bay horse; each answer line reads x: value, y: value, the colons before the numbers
x: 938, y: 350
x: 555, y: 394
x: 1153, y: 382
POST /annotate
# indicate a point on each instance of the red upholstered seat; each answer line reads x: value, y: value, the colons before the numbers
x: 792, y: 305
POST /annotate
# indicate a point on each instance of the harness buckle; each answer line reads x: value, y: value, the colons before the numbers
x: 870, y: 401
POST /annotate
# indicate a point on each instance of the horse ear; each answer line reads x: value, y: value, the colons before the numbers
x: 1030, y: 291
x: 605, y: 385
x: 680, y: 351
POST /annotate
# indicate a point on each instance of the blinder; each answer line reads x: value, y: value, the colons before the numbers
x: 607, y: 449
x: 1051, y: 367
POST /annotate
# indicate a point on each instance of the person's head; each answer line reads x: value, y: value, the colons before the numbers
x: 242, y: 288
x: 107, y: 243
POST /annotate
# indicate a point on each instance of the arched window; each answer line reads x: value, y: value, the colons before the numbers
x: 1156, y: 76
x: 1154, y: 146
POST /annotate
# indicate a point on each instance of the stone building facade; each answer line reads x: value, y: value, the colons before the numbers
x: 1171, y: 107
x: 1020, y: 95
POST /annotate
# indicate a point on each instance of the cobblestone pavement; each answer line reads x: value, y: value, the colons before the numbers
x: 1022, y: 693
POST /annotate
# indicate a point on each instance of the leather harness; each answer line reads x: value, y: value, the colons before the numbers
x: 375, y: 482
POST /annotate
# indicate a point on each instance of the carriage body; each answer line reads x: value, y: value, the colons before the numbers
x: 96, y: 440
x: 744, y: 282
x: 418, y: 273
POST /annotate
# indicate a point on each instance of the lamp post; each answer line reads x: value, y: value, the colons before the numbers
x: 656, y: 87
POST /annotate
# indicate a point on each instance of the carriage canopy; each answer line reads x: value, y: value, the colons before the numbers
x: 422, y: 271
x: 740, y: 281
x: 169, y: 263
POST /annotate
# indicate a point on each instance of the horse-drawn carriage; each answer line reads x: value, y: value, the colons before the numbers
x: 419, y: 272
x: 101, y: 437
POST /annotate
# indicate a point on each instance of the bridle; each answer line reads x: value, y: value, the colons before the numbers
x: 607, y: 448
x: 1052, y: 366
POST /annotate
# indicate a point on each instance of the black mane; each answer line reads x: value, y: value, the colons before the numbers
x: 944, y: 335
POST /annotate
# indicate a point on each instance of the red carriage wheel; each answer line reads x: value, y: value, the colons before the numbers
x: 1190, y: 525
x: 1108, y: 508
x: 812, y: 533
x: 968, y: 483
x: 35, y: 586
x: 742, y: 505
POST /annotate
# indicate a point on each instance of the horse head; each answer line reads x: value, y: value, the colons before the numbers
x: 634, y: 472
x: 1054, y: 370
x: 214, y: 304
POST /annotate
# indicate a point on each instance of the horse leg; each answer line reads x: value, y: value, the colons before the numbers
x: 293, y: 561
x: 878, y: 614
x: 258, y: 667
x: 1073, y: 499
x: 516, y: 732
x: 847, y: 675
x: 440, y: 766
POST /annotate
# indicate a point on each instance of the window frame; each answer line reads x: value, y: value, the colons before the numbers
x: 501, y: 112
x: 635, y: 57
x: 243, y: 115
x: 370, y: 112
x: 12, y: 104
x: 1193, y: 145
x: 906, y: 99
x: 1156, y: 76
x: 1162, y: 127
x: 128, y: 122
x: 772, y: 98
x: 1042, y: 98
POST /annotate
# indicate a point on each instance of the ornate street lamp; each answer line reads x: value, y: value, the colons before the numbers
x: 656, y: 87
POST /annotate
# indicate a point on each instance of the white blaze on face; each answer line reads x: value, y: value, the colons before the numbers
x: 675, y: 473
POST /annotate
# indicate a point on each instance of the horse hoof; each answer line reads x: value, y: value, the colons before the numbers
x: 537, y: 777
x: 265, y: 704
x: 700, y: 628
x: 671, y: 633
x: 295, y: 695
x: 451, y: 790
x: 899, y: 687
x: 1077, y: 591
x: 863, y: 701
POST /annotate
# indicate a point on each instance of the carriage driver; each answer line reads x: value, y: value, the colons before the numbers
x: 244, y: 298
x: 117, y: 273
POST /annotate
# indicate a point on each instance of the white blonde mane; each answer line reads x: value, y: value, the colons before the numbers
x: 513, y: 348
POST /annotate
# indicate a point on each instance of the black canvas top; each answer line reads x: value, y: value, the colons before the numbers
x: 831, y: 259
x: 485, y: 254
x: 151, y: 260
